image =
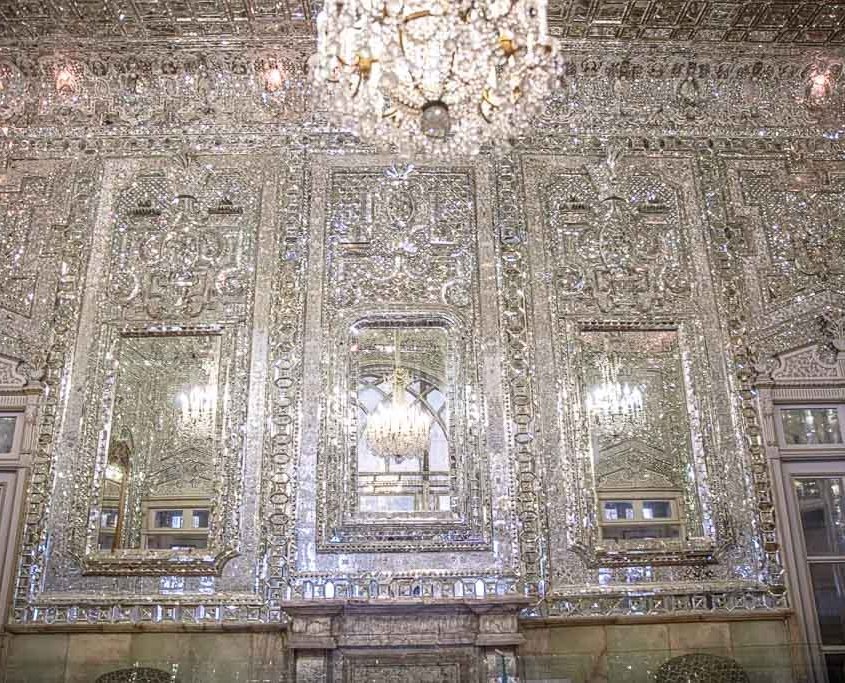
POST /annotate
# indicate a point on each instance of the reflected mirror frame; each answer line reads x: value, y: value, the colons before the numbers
x: 145, y: 562
x: 695, y: 550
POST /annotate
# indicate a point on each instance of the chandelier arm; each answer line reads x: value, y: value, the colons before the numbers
x: 416, y: 15
x: 449, y: 76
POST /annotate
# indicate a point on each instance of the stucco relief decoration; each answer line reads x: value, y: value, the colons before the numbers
x: 174, y: 260
x: 405, y: 224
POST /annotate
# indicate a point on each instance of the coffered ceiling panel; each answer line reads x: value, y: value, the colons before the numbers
x: 150, y: 19
x: 701, y: 20
x: 749, y: 21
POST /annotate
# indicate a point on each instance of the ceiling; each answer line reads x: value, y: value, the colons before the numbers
x: 747, y: 21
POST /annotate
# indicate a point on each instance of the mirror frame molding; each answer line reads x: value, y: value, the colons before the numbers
x: 471, y: 530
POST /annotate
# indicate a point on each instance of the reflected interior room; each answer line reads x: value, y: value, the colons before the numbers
x: 464, y: 341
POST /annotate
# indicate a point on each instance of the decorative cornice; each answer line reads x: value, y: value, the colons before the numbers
x: 707, y: 91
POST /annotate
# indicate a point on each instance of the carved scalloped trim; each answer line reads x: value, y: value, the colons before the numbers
x: 805, y: 365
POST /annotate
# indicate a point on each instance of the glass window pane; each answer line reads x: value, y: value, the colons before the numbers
x: 835, y: 664
x: 810, y: 426
x: 616, y: 510
x: 822, y: 509
x: 657, y: 509
x: 438, y: 454
x: 621, y: 532
x: 829, y: 592
x: 179, y: 542
x: 369, y: 397
x: 386, y: 503
x: 200, y: 519
x: 7, y: 433
x: 435, y: 399
x: 168, y: 519
x: 108, y: 518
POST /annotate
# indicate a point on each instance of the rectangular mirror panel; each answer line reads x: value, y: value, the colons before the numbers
x: 402, y: 420
x: 158, y: 481
x: 636, y: 409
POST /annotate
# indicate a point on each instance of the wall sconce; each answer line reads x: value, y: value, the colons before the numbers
x: 65, y: 81
x: 820, y: 82
x: 820, y: 86
x: 273, y: 79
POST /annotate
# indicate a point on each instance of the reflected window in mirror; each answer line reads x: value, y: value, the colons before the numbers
x: 630, y: 518
x: 636, y: 409
x: 157, y: 483
x: 10, y: 428
x: 402, y: 419
x: 808, y: 426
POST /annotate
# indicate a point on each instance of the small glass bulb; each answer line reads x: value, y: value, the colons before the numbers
x: 65, y: 81
x: 435, y: 120
x: 273, y: 79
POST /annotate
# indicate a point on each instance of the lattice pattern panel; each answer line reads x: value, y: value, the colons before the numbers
x: 814, y: 23
x: 807, y: 23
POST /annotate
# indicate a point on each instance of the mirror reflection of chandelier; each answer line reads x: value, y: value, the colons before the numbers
x: 196, y: 403
x: 614, y: 399
x: 397, y: 429
x: 434, y: 76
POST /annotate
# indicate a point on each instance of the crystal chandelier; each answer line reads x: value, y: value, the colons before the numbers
x: 398, y: 430
x: 614, y: 399
x: 432, y: 76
